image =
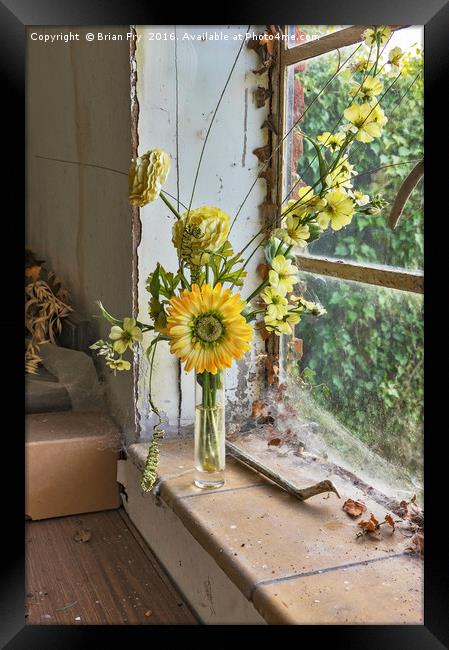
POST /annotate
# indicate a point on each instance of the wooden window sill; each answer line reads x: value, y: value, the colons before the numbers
x: 297, y: 562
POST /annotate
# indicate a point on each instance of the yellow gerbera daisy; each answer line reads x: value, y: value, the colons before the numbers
x: 206, y: 328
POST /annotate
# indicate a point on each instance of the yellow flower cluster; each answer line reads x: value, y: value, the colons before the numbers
x: 279, y: 315
x: 366, y: 121
x: 284, y: 312
x: 298, y: 228
x: 146, y: 176
x: 377, y: 35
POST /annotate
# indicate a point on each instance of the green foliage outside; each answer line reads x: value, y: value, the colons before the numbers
x: 368, y: 348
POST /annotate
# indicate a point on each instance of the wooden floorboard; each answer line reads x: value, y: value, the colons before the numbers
x: 112, y: 578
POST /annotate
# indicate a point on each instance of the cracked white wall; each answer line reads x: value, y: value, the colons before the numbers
x: 228, y: 169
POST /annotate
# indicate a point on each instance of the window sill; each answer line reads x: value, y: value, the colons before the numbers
x: 298, y: 563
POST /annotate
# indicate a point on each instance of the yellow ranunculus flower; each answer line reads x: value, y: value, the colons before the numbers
x: 377, y: 35
x: 366, y: 121
x: 338, y: 211
x: 125, y: 337
x: 207, y: 229
x: 206, y: 328
x: 368, y: 89
x: 277, y: 304
x: 146, y: 176
x: 332, y: 141
x: 283, y: 275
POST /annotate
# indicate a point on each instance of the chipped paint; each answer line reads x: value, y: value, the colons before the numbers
x: 245, y: 128
x: 224, y: 180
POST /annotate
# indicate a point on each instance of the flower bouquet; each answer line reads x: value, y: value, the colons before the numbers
x: 197, y: 308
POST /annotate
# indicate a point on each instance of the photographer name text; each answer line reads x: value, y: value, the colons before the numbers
x: 214, y: 35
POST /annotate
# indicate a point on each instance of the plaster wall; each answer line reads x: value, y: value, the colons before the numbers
x: 77, y: 217
x: 228, y: 169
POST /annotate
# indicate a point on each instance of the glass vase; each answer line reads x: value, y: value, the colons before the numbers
x: 209, y: 429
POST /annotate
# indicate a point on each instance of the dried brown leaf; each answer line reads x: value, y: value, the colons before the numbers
x: 259, y: 409
x: 389, y: 519
x: 369, y: 525
x: 416, y: 544
x: 275, y: 442
x: 410, y: 511
x: 354, y: 508
x: 82, y: 535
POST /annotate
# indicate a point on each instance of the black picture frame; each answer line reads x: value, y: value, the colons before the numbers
x: 15, y: 16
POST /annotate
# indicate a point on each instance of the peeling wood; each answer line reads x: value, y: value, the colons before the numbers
x: 245, y: 128
x: 271, y: 123
x: 341, y: 38
x: 135, y: 212
x: 263, y: 153
x: 268, y: 210
x: 261, y: 95
x: 412, y: 281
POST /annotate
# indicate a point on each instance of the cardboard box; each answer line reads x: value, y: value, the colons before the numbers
x: 71, y: 464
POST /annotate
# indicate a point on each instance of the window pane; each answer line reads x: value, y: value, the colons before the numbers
x: 360, y: 380
x: 368, y: 238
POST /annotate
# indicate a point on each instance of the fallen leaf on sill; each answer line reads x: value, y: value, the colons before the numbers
x: 259, y: 409
x: 82, y: 535
x: 410, y: 511
x: 354, y: 508
x: 416, y: 544
x: 369, y: 525
x: 276, y: 442
x: 389, y: 520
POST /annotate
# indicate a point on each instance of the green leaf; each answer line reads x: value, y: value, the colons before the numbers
x: 322, y: 162
x: 108, y: 317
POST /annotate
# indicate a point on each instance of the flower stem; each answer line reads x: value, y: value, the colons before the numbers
x: 258, y: 290
x: 169, y: 205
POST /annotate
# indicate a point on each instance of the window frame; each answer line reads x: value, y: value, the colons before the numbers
x: 371, y: 274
